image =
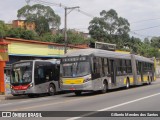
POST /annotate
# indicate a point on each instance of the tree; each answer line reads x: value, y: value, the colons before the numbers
x: 146, y: 41
x: 148, y: 51
x: 44, y: 17
x: 155, y: 42
x: 3, y: 29
x: 110, y: 28
x: 22, y: 33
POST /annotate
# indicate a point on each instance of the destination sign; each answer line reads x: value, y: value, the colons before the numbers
x: 22, y: 64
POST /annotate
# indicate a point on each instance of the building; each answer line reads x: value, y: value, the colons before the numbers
x: 20, y: 49
x: 3, y: 59
x: 23, y: 24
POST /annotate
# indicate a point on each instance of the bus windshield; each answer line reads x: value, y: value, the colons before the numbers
x: 76, y: 69
x: 21, y: 73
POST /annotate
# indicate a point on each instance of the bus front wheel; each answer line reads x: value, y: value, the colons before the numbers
x: 105, y: 87
x: 51, y: 90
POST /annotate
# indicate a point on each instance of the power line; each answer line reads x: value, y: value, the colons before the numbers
x: 63, y: 6
x: 147, y: 28
x: 145, y: 20
x: 141, y: 35
x: 91, y: 16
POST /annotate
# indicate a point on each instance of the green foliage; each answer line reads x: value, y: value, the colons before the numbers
x: 21, y: 33
x: 44, y: 17
x: 75, y: 38
x: 48, y: 37
x: 147, y: 50
x: 110, y: 28
x: 155, y: 42
x: 3, y: 29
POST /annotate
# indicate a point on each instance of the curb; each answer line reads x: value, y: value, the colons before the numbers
x: 2, y: 97
x: 6, y: 97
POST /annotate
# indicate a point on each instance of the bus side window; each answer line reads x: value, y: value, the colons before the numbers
x: 100, y: 67
x: 105, y: 66
x: 56, y: 73
x: 128, y: 66
x: 39, y: 75
x: 119, y: 66
x: 138, y: 67
x: 96, y: 68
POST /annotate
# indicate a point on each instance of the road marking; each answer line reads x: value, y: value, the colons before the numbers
x: 42, y: 105
x: 115, y: 106
x: 48, y: 104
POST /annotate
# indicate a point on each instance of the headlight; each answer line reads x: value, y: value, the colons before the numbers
x: 30, y: 85
x: 86, y: 80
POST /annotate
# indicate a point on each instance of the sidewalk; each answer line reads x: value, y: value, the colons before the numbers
x: 9, y: 97
x: 5, y: 97
x: 2, y: 97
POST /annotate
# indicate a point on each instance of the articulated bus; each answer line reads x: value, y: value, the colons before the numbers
x: 100, y: 70
x: 33, y: 77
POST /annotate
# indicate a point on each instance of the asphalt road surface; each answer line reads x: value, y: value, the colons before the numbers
x: 142, y: 98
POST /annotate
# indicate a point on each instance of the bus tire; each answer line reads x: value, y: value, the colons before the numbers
x: 105, y: 87
x: 51, y: 90
x: 127, y: 84
x: 149, y: 81
x: 78, y: 93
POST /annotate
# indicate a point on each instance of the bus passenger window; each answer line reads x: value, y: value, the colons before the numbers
x: 40, y: 73
x: 119, y: 67
x: 96, y: 68
x: 105, y: 66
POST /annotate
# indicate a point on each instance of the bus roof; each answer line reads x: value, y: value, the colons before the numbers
x: 105, y: 53
x: 97, y: 52
x: 144, y: 59
x: 54, y: 61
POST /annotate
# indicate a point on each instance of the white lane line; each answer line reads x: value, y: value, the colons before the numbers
x: 115, y: 106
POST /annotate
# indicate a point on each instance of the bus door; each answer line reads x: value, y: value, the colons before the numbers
x: 113, y: 71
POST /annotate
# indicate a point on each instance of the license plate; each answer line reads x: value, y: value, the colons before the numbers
x: 19, y: 92
x: 72, y: 89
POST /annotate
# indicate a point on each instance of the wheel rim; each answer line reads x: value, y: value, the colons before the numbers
x: 51, y: 89
x: 127, y: 85
x: 104, y: 87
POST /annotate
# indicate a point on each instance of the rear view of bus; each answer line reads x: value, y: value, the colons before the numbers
x: 35, y: 77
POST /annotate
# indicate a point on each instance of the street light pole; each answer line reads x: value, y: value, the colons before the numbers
x: 65, y: 26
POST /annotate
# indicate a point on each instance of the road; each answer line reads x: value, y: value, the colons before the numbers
x: 142, y: 98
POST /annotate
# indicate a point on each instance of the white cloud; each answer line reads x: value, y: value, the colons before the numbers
x: 133, y: 10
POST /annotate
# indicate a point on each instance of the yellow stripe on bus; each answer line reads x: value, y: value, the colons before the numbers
x: 73, y: 81
x: 130, y: 80
x: 145, y: 78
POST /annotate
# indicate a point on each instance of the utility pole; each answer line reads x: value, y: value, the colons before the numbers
x: 65, y: 26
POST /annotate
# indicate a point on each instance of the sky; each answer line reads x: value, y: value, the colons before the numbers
x: 140, y: 13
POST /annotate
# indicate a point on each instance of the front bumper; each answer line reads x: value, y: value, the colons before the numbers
x: 80, y: 87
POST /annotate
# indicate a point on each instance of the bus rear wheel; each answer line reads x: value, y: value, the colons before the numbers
x: 78, y: 93
x: 51, y: 90
x: 149, y: 81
